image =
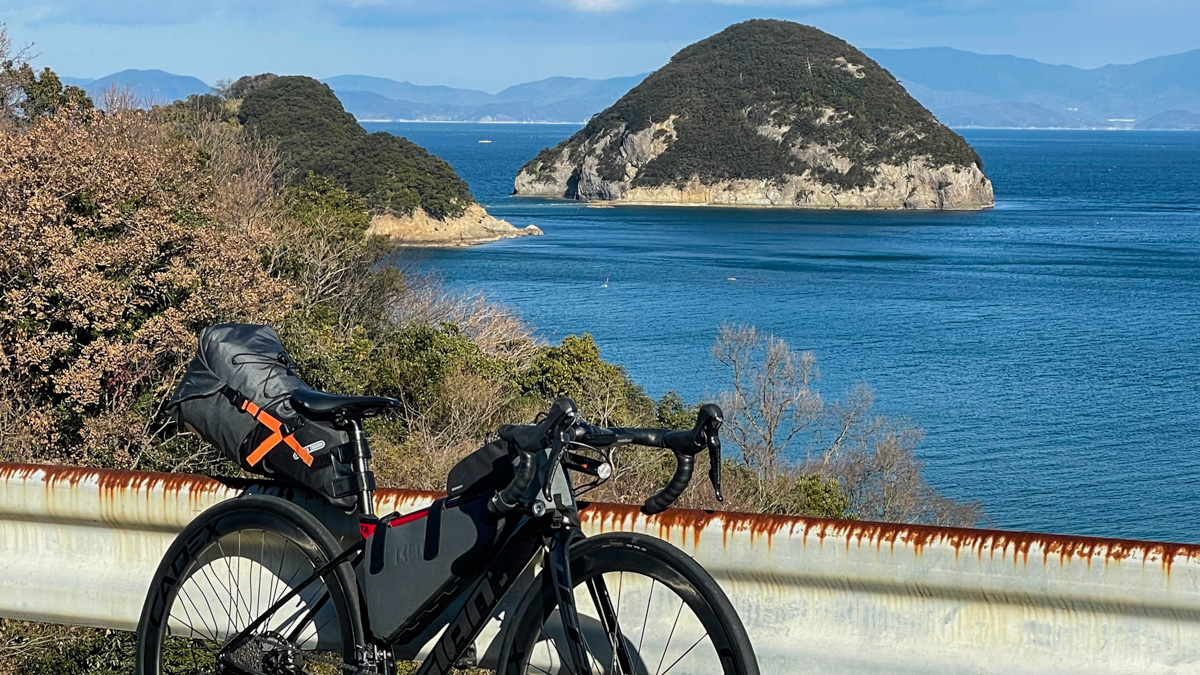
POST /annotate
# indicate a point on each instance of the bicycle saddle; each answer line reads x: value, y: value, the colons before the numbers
x: 321, y: 404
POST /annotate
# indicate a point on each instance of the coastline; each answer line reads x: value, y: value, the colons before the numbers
x: 968, y: 128
x: 604, y: 204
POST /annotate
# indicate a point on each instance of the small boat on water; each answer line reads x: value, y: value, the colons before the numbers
x: 605, y: 284
x: 484, y: 140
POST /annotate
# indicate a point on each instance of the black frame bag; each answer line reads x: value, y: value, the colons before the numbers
x: 237, y: 395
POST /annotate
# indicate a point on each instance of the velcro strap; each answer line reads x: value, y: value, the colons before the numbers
x: 352, y: 485
x: 344, y: 453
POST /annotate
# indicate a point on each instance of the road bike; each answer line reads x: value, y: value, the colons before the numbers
x: 258, y: 585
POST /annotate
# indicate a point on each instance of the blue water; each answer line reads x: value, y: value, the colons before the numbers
x: 1049, y: 347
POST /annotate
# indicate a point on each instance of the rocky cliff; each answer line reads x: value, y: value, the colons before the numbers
x: 765, y: 113
x: 474, y: 226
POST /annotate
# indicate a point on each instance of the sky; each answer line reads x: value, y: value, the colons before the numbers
x: 491, y: 44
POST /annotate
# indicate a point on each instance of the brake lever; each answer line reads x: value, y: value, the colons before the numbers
x: 713, y: 418
x: 558, y: 444
x: 714, y: 464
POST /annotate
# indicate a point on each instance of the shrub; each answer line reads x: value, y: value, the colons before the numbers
x: 28, y: 648
x: 112, y: 256
x: 603, y: 391
x: 862, y: 464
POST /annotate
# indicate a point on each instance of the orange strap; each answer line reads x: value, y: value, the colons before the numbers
x: 275, y: 438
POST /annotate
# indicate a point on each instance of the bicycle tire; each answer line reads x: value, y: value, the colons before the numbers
x: 626, y: 553
x: 280, y: 529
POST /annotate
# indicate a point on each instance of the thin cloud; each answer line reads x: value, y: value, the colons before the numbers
x: 600, y: 5
x: 123, y: 13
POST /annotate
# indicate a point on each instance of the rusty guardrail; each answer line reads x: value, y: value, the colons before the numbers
x: 79, y: 546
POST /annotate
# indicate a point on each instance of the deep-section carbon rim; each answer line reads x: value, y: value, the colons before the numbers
x: 672, y: 618
x: 228, y: 570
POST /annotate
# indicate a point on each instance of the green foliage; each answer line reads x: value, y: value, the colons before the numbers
x: 248, y: 83
x: 770, y: 73
x: 201, y: 106
x: 567, y: 369
x: 398, y: 175
x: 672, y: 412
x: 313, y: 131
x: 603, y: 391
x: 410, y: 364
x: 812, y: 495
x: 44, y: 95
x: 59, y: 650
x: 320, y: 204
x: 344, y: 340
x: 792, y: 493
x: 316, y: 135
x: 424, y: 356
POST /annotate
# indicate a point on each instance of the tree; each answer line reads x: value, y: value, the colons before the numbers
x: 603, y: 391
x: 114, y: 253
x: 24, y: 95
x: 45, y: 95
x: 863, y: 462
x: 10, y: 62
x: 770, y: 399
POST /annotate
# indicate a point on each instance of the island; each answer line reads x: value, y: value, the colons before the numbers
x: 765, y: 113
x: 414, y: 197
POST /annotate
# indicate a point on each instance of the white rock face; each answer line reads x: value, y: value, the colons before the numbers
x: 915, y: 184
x: 475, y: 226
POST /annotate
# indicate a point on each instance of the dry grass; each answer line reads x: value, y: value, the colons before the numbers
x: 496, y: 329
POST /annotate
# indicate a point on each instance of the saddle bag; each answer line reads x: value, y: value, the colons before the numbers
x: 236, y: 395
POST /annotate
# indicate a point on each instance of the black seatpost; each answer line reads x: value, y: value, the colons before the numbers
x: 362, y: 469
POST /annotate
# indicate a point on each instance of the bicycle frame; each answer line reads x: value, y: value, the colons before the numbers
x: 480, y: 594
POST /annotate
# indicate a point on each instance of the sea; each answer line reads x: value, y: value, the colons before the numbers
x: 1049, y: 347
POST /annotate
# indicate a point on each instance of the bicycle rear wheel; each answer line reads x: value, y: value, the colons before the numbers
x: 670, y: 614
x: 228, y: 570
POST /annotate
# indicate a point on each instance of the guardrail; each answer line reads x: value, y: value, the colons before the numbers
x: 79, y: 546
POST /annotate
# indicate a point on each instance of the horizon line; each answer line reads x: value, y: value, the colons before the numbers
x: 601, y: 79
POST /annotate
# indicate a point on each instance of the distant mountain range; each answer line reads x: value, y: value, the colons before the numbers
x: 555, y: 99
x: 963, y: 89
x: 150, y: 86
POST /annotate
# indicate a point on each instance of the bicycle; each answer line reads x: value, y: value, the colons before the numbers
x: 257, y: 585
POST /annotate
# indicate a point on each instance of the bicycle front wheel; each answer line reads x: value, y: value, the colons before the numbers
x: 669, y: 614
x: 235, y: 567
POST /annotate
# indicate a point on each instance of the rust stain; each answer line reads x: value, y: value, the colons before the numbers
x: 109, y: 481
x: 1066, y: 549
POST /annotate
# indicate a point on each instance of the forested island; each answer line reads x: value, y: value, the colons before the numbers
x: 765, y: 113
x: 415, y: 198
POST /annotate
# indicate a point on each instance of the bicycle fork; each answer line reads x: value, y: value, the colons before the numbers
x: 576, y: 656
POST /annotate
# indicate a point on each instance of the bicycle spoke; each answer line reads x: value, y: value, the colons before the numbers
x: 674, y: 645
x: 689, y: 650
x: 646, y: 619
x: 667, y: 647
x: 213, y: 605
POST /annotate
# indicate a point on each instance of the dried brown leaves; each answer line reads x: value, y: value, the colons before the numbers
x: 117, y: 244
